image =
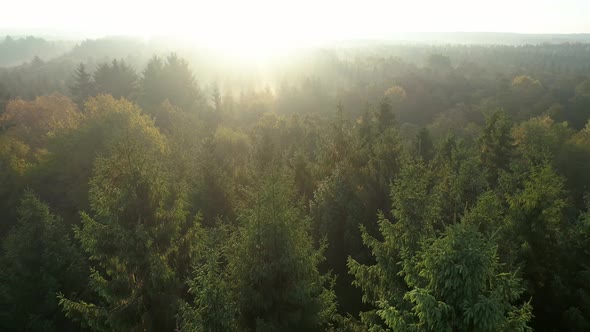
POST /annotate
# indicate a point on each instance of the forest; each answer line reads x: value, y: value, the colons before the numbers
x: 360, y: 187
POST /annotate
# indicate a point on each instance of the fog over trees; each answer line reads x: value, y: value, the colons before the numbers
x: 365, y: 185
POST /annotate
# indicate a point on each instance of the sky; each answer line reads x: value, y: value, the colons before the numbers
x: 276, y: 22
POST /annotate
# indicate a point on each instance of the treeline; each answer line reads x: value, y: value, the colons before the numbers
x: 358, y: 74
x: 456, y: 200
x: 14, y: 51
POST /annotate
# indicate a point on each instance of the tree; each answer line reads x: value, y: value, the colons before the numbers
x: 15, y: 161
x: 38, y: 261
x: 34, y: 122
x: 528, y: 97
x: 538, y: 224
x: 151, y: 84
x: 454, y: 283
x: 117, y: 79
x: 4, y: 97
x: 337, y: 210
x: 459, y: 177
x: 439, y: 62
x: 396, y: 95
x: 573, y: 162
x: 61, y: 178
x: 385, y: 116
x: 172, y: 80
x: 577, y: 115
x: 424, y: 145
x: 83, y: 86
x: 539, y: 139
x: 274, y: 266
x: 496, y: 145
x: 139, y: 238
x: 216, y: 99
x: 213, y: 308
x: 575, y: 288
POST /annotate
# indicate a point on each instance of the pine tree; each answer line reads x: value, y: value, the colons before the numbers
x: 216, y: 99
x: 424, y: 145
x: 274, y: 266
x: 496, y: 145
x: 140, y: 241
x: 38, y: 261
x: 385, y: 116
x: 117, y: 79
x: 575, y: 288
x: 460, y: 179
x: 150, y: 85
x: 172, y: 80
x: 213, y: 308
x: 83, y: 86
x: 4, y: 97
x: 338, y: 210
x: 538, y: 226
x: 453, y: 283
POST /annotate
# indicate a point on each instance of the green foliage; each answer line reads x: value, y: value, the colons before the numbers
x: 117, y: 79
x: 454, y: 283
x: 38, y: 261
x: 539, y: 139
x: 424, y: 145
x: 83, y: 86
x: 538, y: 222
x: 139, y: 238
x: 61, y: 178
x: 416, y: 205
x: 460, y: 179
x: 574, y: 287
x: 385, y: 115
x: 274, y: 266
x: 170, y: 80
x: 496, y: 145
x: 482, y: 226
x: 15, y: 160
x: 213, y: 308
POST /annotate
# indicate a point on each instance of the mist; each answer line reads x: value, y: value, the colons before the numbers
x: 294, y: 166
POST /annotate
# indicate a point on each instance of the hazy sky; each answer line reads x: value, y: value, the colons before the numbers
x: 266, y: 20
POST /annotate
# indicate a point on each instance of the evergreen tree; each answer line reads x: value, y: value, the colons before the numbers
x: 496, y: 145
x: 454, y: 283
x: 574, y: 290
x: 117, y: 79
x: 424, y: 145
x: 4, y: 97
x: 139, y: 237
x: 538, y: 227
x: 213, y: 309
x: 83, y: 86
x: 337, y: 210
x: 150, y: 85
x: 460, y: 179
x: 274, y: 266
x: 216, y: 98
x: 385, y: 116
x: 61, y: 178
x: 172, y: 80
x: 38, y: 261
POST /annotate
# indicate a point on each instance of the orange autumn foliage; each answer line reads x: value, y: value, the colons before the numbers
x: 33, y: 122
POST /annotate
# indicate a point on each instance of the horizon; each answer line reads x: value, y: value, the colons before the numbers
x: 271, y: 26
x: 278, y: 166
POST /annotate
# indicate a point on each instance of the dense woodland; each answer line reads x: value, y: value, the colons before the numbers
x: 373, y: 188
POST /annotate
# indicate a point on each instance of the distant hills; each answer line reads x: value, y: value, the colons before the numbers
x: 490, y: 38
x: 475, y: 38
x: 14, y: 51
x: 19, y: 46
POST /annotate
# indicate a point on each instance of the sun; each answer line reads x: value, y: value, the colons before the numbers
x: 247, y: 43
